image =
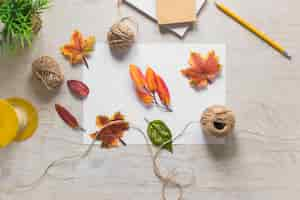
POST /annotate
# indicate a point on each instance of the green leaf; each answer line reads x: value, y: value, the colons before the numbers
x: 159, y: 133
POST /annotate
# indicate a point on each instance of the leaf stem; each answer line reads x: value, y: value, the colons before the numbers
x: 169, y: 109
x: 80, y: 128
x: 147, y: 120
x: 85, y: 62
x: 154, y: 98
x: 164, y: 107
x: 122, y: 141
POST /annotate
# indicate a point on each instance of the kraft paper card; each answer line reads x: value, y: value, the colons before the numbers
x: 175, y: 11
x: 148, y: 8
x: 112, y: 89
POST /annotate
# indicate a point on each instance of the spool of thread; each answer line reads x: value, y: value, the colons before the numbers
x: 18, y: 120
x: 218, y: 120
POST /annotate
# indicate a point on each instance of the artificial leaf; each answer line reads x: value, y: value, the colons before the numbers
x: 148, y: 86
x: 202, y: 70
x: 112, y: 130
x: 151, y: 80
x: 163, y: 91
x: 144, y: 96
x: 79, y: 88
x: 137, y: 77
x: 79, y: 48
x: 67, y: 117
x: 159, y: 133
x: 102, y: 120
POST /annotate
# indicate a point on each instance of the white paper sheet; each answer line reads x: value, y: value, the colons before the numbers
x: 148, y: 7
x: 112, y: 89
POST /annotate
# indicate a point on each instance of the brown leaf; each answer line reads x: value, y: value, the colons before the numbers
x: 163, y: 91
x: 112, y: 130
x: 67, y: 117
x: 79, y: 88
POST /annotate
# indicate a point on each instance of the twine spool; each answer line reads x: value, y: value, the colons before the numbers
x: 48, y: 71
x: 121, y: 35
x: 218, y: 121
x: 18, y: 120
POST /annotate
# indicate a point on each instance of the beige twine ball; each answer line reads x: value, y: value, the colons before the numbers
x: 218, y: 121
x: 48, y: 71
x: 121, y: 35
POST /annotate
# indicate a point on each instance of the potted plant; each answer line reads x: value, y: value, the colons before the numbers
x: 21, y: 20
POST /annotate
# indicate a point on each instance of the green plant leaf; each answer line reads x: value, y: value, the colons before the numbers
x: 159, y: 133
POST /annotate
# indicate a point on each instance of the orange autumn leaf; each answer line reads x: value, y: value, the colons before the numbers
x: 112, y: 130
x: 163, y: 91
x: 102, y: 120
x: 146, y: 87
x: 79, y: 48
x: 151, y: 80
x: 137, y: 77
x: 144, y: 96
x: 202, y: 70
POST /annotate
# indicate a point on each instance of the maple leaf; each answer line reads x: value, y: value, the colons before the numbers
x: 79, y: 48
x: 111, y: 130
x: 202, y: 70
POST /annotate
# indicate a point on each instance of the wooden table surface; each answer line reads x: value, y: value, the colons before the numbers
x: 262, y: 89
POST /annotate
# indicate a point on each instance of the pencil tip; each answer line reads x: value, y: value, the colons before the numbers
x: 287, y: 55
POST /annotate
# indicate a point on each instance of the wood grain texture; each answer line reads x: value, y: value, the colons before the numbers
x: 262, y: 89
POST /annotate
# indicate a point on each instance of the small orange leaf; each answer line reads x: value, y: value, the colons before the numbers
x: 79, y: 48
x: 137, y: 77
x: 202, y: 70
x: 163, y: 91
x: 144, y: 96
x: 151, y: 79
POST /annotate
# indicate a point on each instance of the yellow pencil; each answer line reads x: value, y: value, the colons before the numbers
x: 253, y: 29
